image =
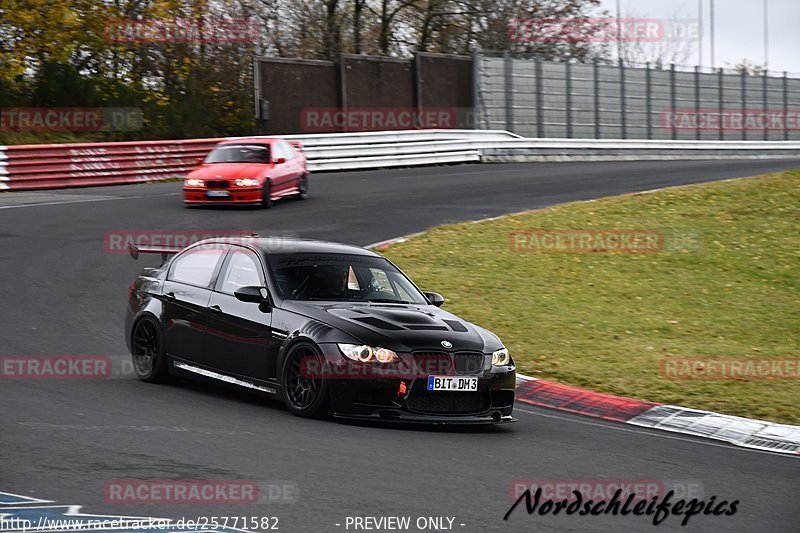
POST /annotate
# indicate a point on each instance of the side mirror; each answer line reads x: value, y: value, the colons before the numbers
x: 253, y: 294
x: 199, y: 161
x: 434, y: 298
x: 280, y: 161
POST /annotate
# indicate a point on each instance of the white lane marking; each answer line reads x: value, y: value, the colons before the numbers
x: 620, y: 427
x: 24, y: 499
x: 104, y: 199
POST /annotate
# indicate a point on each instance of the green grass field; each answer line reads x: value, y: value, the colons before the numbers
x: 726, y: 284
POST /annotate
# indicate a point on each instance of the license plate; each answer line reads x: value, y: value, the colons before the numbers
x: 218, y: 194
x: 452, y: 383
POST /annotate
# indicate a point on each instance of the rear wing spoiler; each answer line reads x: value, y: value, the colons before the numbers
x: 163, y: 250
x: 297, y: 144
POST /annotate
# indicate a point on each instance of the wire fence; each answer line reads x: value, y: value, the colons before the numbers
x: 544, y: 99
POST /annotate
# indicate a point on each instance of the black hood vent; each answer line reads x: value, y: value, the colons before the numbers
x: 455, y: 325
x: 378, y: 323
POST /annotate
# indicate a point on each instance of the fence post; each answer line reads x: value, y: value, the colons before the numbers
x: 697, y: 101
x: 648, y: 92
x: 785, y: 106
x: 672, y: 100
x: 476, y: 89
x: 765, y: 98
x: 568, y: 73
x: 622, y: 105
x: 343, y: 89
x: 744, y: 105
x: 418, y: 86
x: 509, y: 90
x: 721, y: 102
x: 539, y: 99
x: 596, y: 71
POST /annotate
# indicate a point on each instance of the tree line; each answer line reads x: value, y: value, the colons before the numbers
x: 187, y: 64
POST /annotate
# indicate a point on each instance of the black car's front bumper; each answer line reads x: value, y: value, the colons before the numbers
x: 405, y: 398
x: 406, y: 418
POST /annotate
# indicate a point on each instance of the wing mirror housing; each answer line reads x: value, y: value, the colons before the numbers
x: 434, y: 298
x: 256, y: 295
x: 280, y: 161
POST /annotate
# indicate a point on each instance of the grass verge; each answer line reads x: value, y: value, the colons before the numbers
x: 726, y: 284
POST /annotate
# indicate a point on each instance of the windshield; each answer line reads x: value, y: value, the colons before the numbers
x: 342, y: 277
x: 239, y: 153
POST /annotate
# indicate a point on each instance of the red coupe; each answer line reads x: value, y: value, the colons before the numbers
x: 248, y: 171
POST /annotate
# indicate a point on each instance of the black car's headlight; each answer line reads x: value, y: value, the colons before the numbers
x: 368, y: 354
x: 501, y: 357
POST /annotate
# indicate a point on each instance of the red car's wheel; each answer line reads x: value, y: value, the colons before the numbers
x: 266, y: 198
x: 302, y: 193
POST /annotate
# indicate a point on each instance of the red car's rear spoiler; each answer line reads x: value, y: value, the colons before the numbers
x: 297, y: 144
x: 163, y: 250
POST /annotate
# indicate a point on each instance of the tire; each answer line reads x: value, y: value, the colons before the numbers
x: 147, y: 351
x: 303, y: 396
x: 266, y: 198
x: 303, y: 194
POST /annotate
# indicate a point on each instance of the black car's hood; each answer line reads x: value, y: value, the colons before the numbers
x: 402, y: 328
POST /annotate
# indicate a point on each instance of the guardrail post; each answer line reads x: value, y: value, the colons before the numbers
x: 648, y: 91
x: 721, y: 103
x: 509, y: 90
x: 785, y: 106
x: 622, y: 105
x: 672, y: 99
x: 697, y: 102
x: 568, y: 74
x: 539, y: 99
x: 596, y: 75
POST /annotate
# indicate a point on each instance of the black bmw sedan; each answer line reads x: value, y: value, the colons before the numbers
x: 328, y: 328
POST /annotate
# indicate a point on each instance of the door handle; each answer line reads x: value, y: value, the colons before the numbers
x: 215, y: 309
x: 170, y: 296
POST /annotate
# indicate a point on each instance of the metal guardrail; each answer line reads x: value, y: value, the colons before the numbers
x: 79, y: 165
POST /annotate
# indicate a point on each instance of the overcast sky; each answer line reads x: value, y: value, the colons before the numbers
x: 739, y: 28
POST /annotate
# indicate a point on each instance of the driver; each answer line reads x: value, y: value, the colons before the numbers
x: 330, y: 282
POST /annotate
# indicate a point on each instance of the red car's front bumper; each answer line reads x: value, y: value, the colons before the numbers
x: 236, y: 196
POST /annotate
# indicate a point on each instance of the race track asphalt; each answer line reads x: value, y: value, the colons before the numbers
x: 63, y: 293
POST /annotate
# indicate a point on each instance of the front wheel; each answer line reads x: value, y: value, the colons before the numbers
x: 303, y: 384
x: 302, y: 189
x: 266, y: 198
x: 147, y: 350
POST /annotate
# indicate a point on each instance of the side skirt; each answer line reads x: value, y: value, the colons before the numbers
x: 185, y: 368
